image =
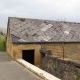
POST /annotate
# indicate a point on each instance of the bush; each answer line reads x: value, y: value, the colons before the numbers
x: 2, y: 44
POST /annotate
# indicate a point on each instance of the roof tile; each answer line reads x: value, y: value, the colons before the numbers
x: 34, y: 30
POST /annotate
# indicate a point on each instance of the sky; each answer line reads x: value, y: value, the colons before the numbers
x: 57, y: 10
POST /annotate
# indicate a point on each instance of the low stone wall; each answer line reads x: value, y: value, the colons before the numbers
x: 39, y: 72
x: 64, y: 69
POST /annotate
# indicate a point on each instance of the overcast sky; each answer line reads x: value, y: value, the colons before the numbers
x: 68, y: 10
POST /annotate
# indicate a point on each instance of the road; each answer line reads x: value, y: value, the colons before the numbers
x: 4, y: 57
x: 11, y: 70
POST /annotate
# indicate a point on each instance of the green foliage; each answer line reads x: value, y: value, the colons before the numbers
x: 78, y: 76
x: 2, y: 44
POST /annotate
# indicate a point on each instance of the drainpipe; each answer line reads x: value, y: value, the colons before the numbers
x: 63, y: 49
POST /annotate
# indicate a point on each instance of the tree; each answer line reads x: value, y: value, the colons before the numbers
x: 2, y: 44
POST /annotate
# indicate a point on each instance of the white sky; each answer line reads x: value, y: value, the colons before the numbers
x: 68, y: 10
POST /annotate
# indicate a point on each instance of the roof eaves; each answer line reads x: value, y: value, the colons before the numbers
x: 42, y: 42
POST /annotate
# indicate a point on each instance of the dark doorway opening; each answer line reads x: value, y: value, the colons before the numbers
x: 28, y: 55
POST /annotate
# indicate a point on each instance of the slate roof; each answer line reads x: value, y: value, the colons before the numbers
x: 34, y: 30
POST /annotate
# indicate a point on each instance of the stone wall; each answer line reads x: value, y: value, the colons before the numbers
x: 18, y: 48
x: 64, y: 69
x: 71, y: 50
x: 9, y: 45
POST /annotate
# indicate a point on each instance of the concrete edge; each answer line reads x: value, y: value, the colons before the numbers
x: 43, y: 74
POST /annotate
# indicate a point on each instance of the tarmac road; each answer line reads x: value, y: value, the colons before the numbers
x: 11, y: 70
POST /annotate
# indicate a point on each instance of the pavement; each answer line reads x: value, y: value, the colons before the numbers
x: 4, y: 57
x: 11, y: 70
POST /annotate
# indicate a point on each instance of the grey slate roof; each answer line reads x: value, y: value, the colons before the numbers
x: 34, y: 30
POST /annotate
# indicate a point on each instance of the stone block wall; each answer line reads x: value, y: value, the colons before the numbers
x: 18, y: 48
x: 64, y: 69
x: 9, y: 45
x: 71, y: 50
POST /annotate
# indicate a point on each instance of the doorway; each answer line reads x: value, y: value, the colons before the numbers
x: 28, y: 55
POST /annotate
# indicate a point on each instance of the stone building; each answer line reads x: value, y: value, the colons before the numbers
x: 26, y: 36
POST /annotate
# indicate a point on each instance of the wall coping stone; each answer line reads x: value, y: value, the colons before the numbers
x: 70, y: 62
x: 45, y: 75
